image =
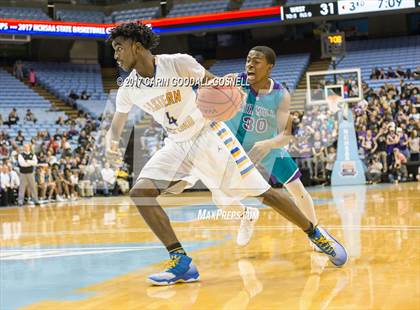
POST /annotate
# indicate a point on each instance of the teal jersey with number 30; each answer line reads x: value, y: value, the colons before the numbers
x: 257, y: 121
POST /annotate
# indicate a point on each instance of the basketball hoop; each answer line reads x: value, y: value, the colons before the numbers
x: 333, y: 103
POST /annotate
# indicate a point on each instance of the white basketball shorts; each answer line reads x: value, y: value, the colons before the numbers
x: 216, y: 158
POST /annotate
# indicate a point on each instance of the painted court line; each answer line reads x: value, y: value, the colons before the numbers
x: 226, y: 228
x: 65, y: 253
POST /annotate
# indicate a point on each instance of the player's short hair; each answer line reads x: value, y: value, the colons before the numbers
x: 136, y: 32
x: 268, y: 52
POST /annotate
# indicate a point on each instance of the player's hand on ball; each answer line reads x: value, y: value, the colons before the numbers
x: 259, y: 151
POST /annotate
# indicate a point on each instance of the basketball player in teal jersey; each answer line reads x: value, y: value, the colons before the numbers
x: 260, y: 128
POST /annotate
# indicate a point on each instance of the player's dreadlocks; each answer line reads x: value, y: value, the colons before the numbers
x: 137, y: 32
x: 268, y: 52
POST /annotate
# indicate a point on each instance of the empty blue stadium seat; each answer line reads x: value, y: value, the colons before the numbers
x: 15, y: 93
x: 135, y: 14
x: 183, y: 9
x: 61, y: 78
x: 81, y: 16
x: 23, y: 13
x: 251, y: 4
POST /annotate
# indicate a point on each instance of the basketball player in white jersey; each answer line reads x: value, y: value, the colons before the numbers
x: 195, y: 147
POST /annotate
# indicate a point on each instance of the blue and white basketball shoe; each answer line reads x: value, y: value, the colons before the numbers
x: 326, y: 243
x: 179, y: 269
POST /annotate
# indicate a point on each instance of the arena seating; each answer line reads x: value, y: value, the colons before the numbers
x: 133, y: 14
x: 288, y: 68
x: 61, y: 78
x: 184, y: 9
x: 383, y: 53
x: 15, y: 94
x: 81, y: 16
x: 30, y: 130
x: 23, y: 13
x: 252, y: 4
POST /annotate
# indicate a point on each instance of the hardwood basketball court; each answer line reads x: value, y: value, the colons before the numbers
x: 97, y: 253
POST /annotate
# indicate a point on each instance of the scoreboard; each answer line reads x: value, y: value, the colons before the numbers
x: 333, y: 44
x: 346, y: 7
x: 308, y: 11
x: 213, y: 21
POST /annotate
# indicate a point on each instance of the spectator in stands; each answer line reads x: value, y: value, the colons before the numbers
x: 4, y: 151
x: 56, y: 178
x: 30, y: 117
x: 27, y: 162
x: 67, y: 185
x: 381, y: 149
x: 38, y: 143
x: 50, y: 158
x: 4, y: 186
x: 413, y: 143
x: 14, y: 184
x: 81, y: 120
x: 85, y: 185
x: 391, y: 74
x: 65, y: 148
x: 374, y: 74
x: 18, y: 70
x: 73, y: 95
x: 374, y: 172
x: 20, y: 139
x: 398, y: 169
x: 108, y: 178
x: 57, y: 135
x: 60, y: 121
x: 40, y: 182
x: 403, y: 142
x: 401, y: 74
x: 74, y: 179
x: 84, y: 95
x: 51, y: 185
x: 318, y: 152
x: 72, y: 131
x: 83, y: 139
x: 416, y: 73
x: 368, y: 144
x: 392, y: 139
x: 52, y: 146
x: 32, y: 77
x: 122, y: 179
x: 304, y: 149
x: 329, y: 162
x: 381, y: 75
x: 13, y: 117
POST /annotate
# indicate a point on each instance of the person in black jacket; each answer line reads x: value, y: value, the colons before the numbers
x: 27, y: 161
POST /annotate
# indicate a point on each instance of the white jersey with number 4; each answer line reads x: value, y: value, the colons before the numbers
x: 172, y: 106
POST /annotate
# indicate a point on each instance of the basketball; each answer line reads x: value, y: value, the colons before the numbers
x: 219, y: 103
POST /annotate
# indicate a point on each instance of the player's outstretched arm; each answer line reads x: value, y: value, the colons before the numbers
x: 113, y: 135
